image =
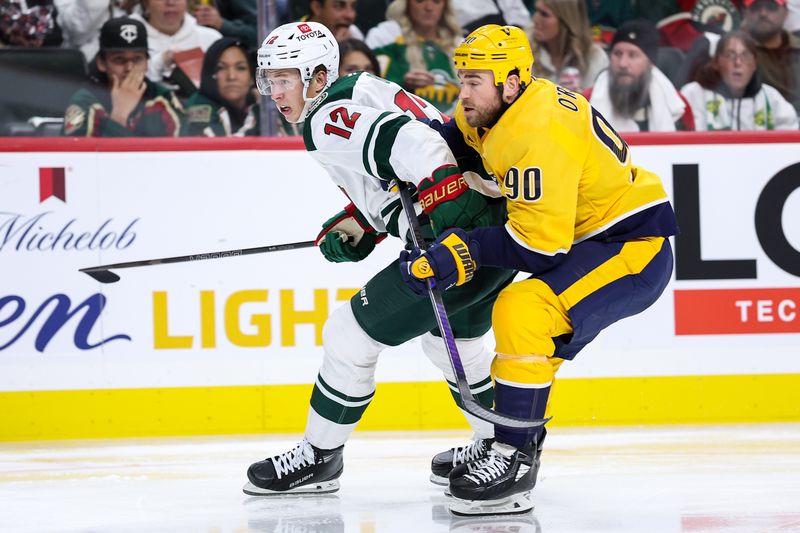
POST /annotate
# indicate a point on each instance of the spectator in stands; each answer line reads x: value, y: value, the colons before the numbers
x: 28, y: 24
x: 472, y: 14
x: 120, y: 101
x: 605, y: 17
x: 81, y: 20
x: 232, y: 18
x: 339, y: 16
x: 171, y: 29
x: 354, y: 56
x: 681, y: 23
x: 372, y: 12
x: 777, y: 50
x: 415, y: 46
x: 632, y: 94
x: 730, y: 96
x: 562, y: 42
x: 225, y: 105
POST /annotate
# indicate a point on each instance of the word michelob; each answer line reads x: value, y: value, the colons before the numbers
x: 38, y: 232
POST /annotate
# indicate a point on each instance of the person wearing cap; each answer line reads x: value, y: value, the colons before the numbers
x: 777, y: 50
x: 586, y: 224
x: 633, y: 94
x: 119, y: 101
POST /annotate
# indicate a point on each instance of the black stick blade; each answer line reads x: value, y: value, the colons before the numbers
x: 103, y: 276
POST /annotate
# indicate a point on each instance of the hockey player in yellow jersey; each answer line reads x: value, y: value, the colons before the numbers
x: 588, y: 225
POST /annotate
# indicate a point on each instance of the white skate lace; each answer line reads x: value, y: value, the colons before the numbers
x: 487, y: 469
x: 470, y: 452
x: 299, y: 456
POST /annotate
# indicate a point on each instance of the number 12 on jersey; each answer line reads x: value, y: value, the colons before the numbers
x: 348, y: 121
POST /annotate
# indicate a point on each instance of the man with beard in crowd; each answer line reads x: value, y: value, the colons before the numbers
x: 777, y: 50
x: 633, y: 94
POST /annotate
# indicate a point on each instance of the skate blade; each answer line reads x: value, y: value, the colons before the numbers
x: 517, y: 504
x: 439, y: 480
x: 323, y: 487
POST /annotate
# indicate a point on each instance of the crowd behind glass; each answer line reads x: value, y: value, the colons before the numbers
x: 186, y: 67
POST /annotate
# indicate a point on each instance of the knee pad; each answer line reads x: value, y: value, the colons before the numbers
x: 475, y: 356
x: 477, y: 361
x: 526, y: 317
x: 350, y: 354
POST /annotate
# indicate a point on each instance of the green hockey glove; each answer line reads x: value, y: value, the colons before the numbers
x: 449, y: 202
x: 347, y: 236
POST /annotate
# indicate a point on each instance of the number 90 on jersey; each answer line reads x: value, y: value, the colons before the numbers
x: 523, y: 186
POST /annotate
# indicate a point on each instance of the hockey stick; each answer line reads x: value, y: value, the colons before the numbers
x: 103, y: 274
x: 471, y: 405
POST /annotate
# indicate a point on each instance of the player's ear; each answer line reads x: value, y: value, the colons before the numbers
x: 511, y: 88
x: 320, y: 81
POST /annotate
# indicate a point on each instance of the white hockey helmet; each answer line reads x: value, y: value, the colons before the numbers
x: 302, y: 46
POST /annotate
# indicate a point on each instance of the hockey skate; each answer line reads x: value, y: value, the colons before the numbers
x: 443, y: 463
x: 305, y: 469
x: 495, y: 524
x: 501, y: 483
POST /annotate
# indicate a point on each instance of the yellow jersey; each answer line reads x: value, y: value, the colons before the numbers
x: 566, y: 174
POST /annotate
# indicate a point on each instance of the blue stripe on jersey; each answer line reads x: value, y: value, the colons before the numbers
x: 656, y: 221
x: 498, y: 248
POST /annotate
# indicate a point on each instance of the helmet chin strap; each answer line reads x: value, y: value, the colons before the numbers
x: 307, y: 101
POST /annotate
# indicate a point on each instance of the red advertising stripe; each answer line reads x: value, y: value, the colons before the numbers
x: 731, y: 311
x: 205, y: 144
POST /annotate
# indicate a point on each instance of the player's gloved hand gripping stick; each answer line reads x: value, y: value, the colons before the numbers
x: 471, y: 405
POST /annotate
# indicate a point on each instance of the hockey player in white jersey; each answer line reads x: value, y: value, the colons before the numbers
x: 363, y: 131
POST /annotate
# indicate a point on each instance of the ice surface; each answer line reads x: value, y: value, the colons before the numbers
x: 722, y: 479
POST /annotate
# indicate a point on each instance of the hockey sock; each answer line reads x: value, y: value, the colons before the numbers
x: 523, y: 402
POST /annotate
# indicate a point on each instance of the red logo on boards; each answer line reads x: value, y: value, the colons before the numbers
x: 52, y: 182
x: 732, y: 311
x: 304, y: 28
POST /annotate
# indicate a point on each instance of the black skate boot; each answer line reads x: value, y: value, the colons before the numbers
x: 468, y: 467
x: 443, y: 463
x: 499, y: 484
x: 302, y: 470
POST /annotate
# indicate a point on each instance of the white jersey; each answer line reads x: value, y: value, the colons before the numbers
x: 363, y: 131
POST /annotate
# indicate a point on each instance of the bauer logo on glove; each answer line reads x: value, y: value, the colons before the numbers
x: 447, y: 190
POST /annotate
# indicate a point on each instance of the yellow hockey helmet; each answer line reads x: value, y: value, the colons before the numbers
x: 500, y: 49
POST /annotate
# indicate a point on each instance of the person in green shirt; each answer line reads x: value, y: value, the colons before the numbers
x: 225, y: 105
x: 119, y: 101
x: 414, y: 47
x: 232, y: 18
